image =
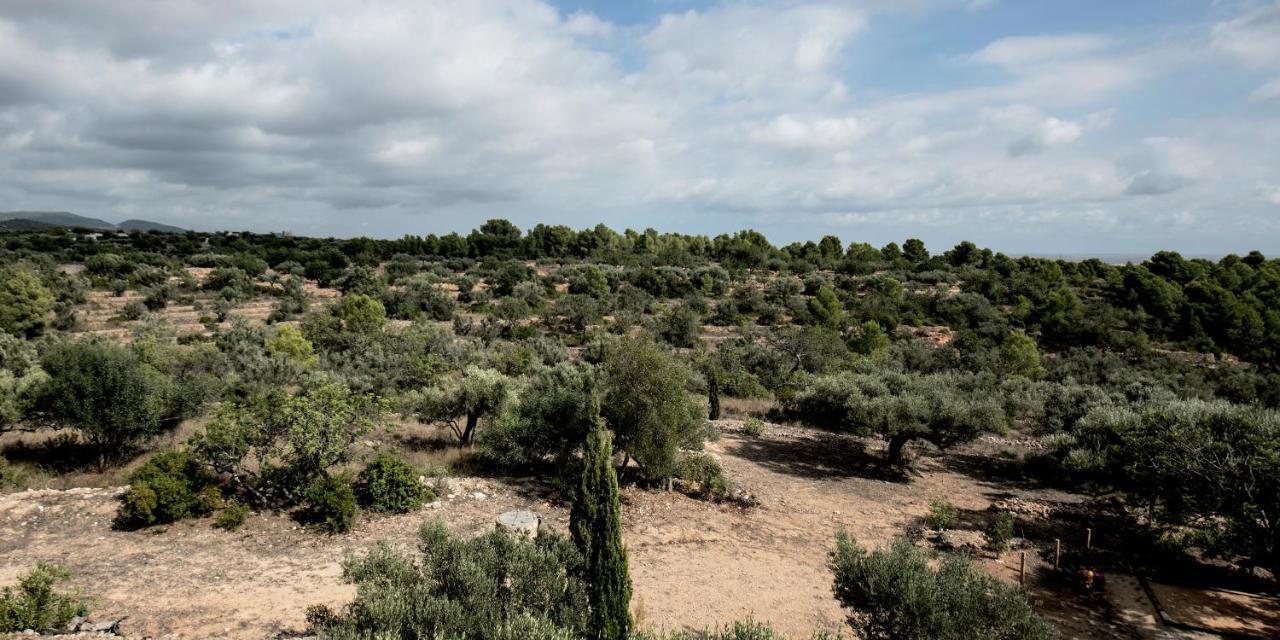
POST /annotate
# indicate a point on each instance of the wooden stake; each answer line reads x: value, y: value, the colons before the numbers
x: 1088, y: 539
x: 1022, y: 568
x: 1057, y: 553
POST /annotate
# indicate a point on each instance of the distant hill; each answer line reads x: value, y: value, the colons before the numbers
x: 147, y: 225
x: 58, y: 219
x: 34, y: 220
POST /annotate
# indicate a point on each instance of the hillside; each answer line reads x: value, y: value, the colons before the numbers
x: 37, y: 220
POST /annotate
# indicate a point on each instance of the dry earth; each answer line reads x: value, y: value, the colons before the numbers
x: 694, y: 564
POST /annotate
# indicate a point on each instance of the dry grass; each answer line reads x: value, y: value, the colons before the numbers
x: 743, y: 407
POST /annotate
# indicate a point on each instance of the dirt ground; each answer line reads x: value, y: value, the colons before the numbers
x: 694, y: 564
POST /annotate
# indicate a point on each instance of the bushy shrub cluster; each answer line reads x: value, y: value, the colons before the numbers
x: 703, y: 474
x: 494, y: 587
x: 171, y: 486
x: 331, y: 502
x: 895, y: 594
x: 35, y: 604
x: 391, y: 484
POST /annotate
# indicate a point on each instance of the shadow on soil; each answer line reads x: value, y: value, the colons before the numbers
x: 824, y: 456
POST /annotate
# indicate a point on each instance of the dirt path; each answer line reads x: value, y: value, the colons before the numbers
x: 694, y: 564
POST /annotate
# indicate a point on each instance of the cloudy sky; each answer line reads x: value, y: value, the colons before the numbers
x: 1026, y: 125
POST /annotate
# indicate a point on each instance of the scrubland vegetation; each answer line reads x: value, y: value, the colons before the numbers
x: 544, y: 353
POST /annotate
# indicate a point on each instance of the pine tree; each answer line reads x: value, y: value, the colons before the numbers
x: 595, y: 523
x: 713, y: 397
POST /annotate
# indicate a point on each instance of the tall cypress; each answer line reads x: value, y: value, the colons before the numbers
x: 595, y: 523
x: 713, y: 396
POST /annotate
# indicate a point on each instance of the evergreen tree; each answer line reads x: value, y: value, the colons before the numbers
x: 595, y: 523
x: 713, y: 397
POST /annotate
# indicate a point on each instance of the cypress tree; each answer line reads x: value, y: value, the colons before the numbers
x: 595, y: 523
x: 713, y: 396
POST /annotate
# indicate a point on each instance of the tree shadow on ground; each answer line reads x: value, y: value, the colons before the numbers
x: 418, y: 442
x: 63, y: 453
x: 817, y: 457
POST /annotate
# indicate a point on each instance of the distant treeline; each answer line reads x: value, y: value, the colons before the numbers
x: 1229, y: 306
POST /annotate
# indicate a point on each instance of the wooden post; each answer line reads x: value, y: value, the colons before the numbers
x: 1022, y: 568
x: 1057, y: 553
x: 1088, y: 539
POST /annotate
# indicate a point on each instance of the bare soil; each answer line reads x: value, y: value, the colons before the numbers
x: 695, y: 564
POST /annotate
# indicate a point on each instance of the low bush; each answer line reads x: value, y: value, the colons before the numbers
x: 169, y: 487
x: 703, y: 474
x: 895, y: 594
x: 942, y: 514
x: 330, y: 501
x: 231, y: 517
x: 35, y: 604
x: 390, y: 484
x: 753, y: 427
x: 493, y: 587
x: 999, y: 531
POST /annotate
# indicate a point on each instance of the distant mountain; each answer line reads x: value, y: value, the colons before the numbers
x: 21, y: 224
x: 59, y: 219
x: 34, y: 220
x: 147, y: 225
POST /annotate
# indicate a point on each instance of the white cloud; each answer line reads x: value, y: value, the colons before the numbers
x: 331, y: 115
x: 585, y: 24
x: 789, y: 132
x: 1253, y: 39
x: 1022, y: 51
x: 1268, y: 91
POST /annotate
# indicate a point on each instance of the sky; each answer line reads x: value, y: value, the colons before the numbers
x: 1028, y: 126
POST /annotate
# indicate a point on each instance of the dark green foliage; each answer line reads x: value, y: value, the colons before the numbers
x: 493, y: 587
x: 704, y: 475
x: 169, y: 487
x: 1209, y: 466
x: 331, y: 502
x: 999, y: 531
x: 713, y: 397
x: 826, y: 308
x: 596, y: 524
x: 273, y: 447
x: 25, y: 302
x: 896, y: 595
x: 645, y: 404
x: 942, y: 514
x: 34, y: 603
x: 231, y: 516
x: 106, y: 392
x: 390, y: 484
x: 941, y: 409
x: 551, y: 419
x: 680, y: 327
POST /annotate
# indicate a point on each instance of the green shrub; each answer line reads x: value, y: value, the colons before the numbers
x: 942, y: 514
x: 895, y: 594
x: 231, y: 517
x: 753, y: 427
x: 703, y: 473
x: 493, y: 587
x: 999, y: 531
x: 169, y: 487
x: 34, y: 604
x: 331, y: 501
x: 390, y: 484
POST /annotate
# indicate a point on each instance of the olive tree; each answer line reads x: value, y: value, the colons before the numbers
x: 106, y: 392
x: 463, y: 402
x: 1211, y: 467
x: 274, y: 447
x: 939, y: 408
x: 646, y: 405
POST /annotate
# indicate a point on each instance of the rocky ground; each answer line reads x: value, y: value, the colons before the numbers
x: 695, y: 564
